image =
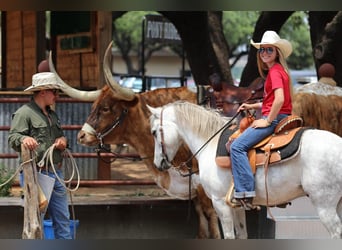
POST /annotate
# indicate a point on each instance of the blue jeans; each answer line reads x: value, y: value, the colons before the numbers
x: 58, y: 207
x: 242, y: 172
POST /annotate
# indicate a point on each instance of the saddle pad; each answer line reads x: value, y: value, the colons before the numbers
x: 289, y: 149
x: 293, y: 146
x: 221, y: 146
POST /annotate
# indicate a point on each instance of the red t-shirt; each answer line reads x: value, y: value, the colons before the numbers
x: 276, y: 78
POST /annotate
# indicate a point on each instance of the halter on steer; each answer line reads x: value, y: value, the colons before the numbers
x: 101, y: 135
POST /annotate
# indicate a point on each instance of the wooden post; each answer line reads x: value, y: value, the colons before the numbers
x: 103, y: 31
x: 32, y: 219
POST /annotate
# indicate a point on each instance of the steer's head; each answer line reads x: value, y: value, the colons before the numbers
x: 107, y: 110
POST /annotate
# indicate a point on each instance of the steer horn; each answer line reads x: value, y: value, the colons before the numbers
x: 72, y: 92
x: 125, y: 94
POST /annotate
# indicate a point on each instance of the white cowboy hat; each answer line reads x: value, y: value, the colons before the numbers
x: 272, y: 38
x: 44, y: 80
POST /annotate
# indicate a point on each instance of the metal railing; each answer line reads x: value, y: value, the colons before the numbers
x: 72, y: 113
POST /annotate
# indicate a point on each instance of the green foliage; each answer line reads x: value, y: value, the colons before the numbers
x: 5, y: 174
x: 129, y: 28
x: 296, y: 30
x: 238, y: 27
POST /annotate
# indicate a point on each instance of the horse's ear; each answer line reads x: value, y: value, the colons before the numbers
x: 154, y: 111
x: 151, y: 109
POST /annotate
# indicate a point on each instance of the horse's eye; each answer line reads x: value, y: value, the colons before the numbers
x: 153, y: 133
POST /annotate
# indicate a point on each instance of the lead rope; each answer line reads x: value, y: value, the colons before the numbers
x: 19, y: 168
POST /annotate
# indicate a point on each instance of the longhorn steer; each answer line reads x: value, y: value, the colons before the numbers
x: 134, y: 129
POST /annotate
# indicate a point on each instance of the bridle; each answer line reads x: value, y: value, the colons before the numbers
x: 162, y: 141
x: 186, y: 163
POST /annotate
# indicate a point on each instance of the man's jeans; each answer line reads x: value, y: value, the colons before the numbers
x: 242, y: 173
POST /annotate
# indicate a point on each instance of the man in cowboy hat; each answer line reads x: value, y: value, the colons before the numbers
x: 37, y: 127
x: 276, y: 105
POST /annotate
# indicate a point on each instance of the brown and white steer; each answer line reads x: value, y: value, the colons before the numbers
x: 134, y: 129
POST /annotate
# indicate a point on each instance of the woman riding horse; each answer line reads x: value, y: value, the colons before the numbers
x: 276, y: 105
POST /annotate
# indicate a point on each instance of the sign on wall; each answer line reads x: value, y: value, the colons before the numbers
x: 159, y: 29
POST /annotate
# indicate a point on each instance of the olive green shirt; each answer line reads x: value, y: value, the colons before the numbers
x: 29, y: 120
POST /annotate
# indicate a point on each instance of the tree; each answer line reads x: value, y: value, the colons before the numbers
x: 319, y: 22
x: 239, y: 26
x: 295, y: 29
x: 204, y: 43
x: 205, y: 40
x: 266, y: 21
x: 326, y: 39
x: 127, y: 36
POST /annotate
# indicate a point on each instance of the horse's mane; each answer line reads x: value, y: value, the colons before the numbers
x: 204, y: 122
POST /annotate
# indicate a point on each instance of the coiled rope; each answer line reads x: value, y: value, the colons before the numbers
x: 47, y: 160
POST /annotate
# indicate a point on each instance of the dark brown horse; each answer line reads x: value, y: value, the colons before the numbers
x: 230, y: 97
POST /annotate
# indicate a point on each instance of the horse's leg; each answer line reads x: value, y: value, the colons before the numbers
x: 331, y: 221
x: 339, y: 209
x: 202, y: 220
x: 327, y: 211
x: 240, y: 223
x: 210, y: 213
x: 225, y: 213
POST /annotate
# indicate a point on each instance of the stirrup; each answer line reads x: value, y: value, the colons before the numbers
x: 247, y: 204
x: 233, y: 202
x: 230, y: 200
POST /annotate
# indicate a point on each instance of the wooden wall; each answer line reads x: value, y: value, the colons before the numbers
x: 25, y: 45
x: 83, y: 68
x: 20, y: 48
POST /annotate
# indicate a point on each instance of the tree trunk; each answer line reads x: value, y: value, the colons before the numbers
x: 220, y: 47
x: 326, y: 38
x: 204, y: 43
x: 32, y: 220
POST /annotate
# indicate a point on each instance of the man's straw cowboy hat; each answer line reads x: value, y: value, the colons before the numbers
x: 44, y: 80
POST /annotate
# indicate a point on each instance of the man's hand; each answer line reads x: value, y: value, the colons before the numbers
x: 30, y: 143
x: 61, y: 143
